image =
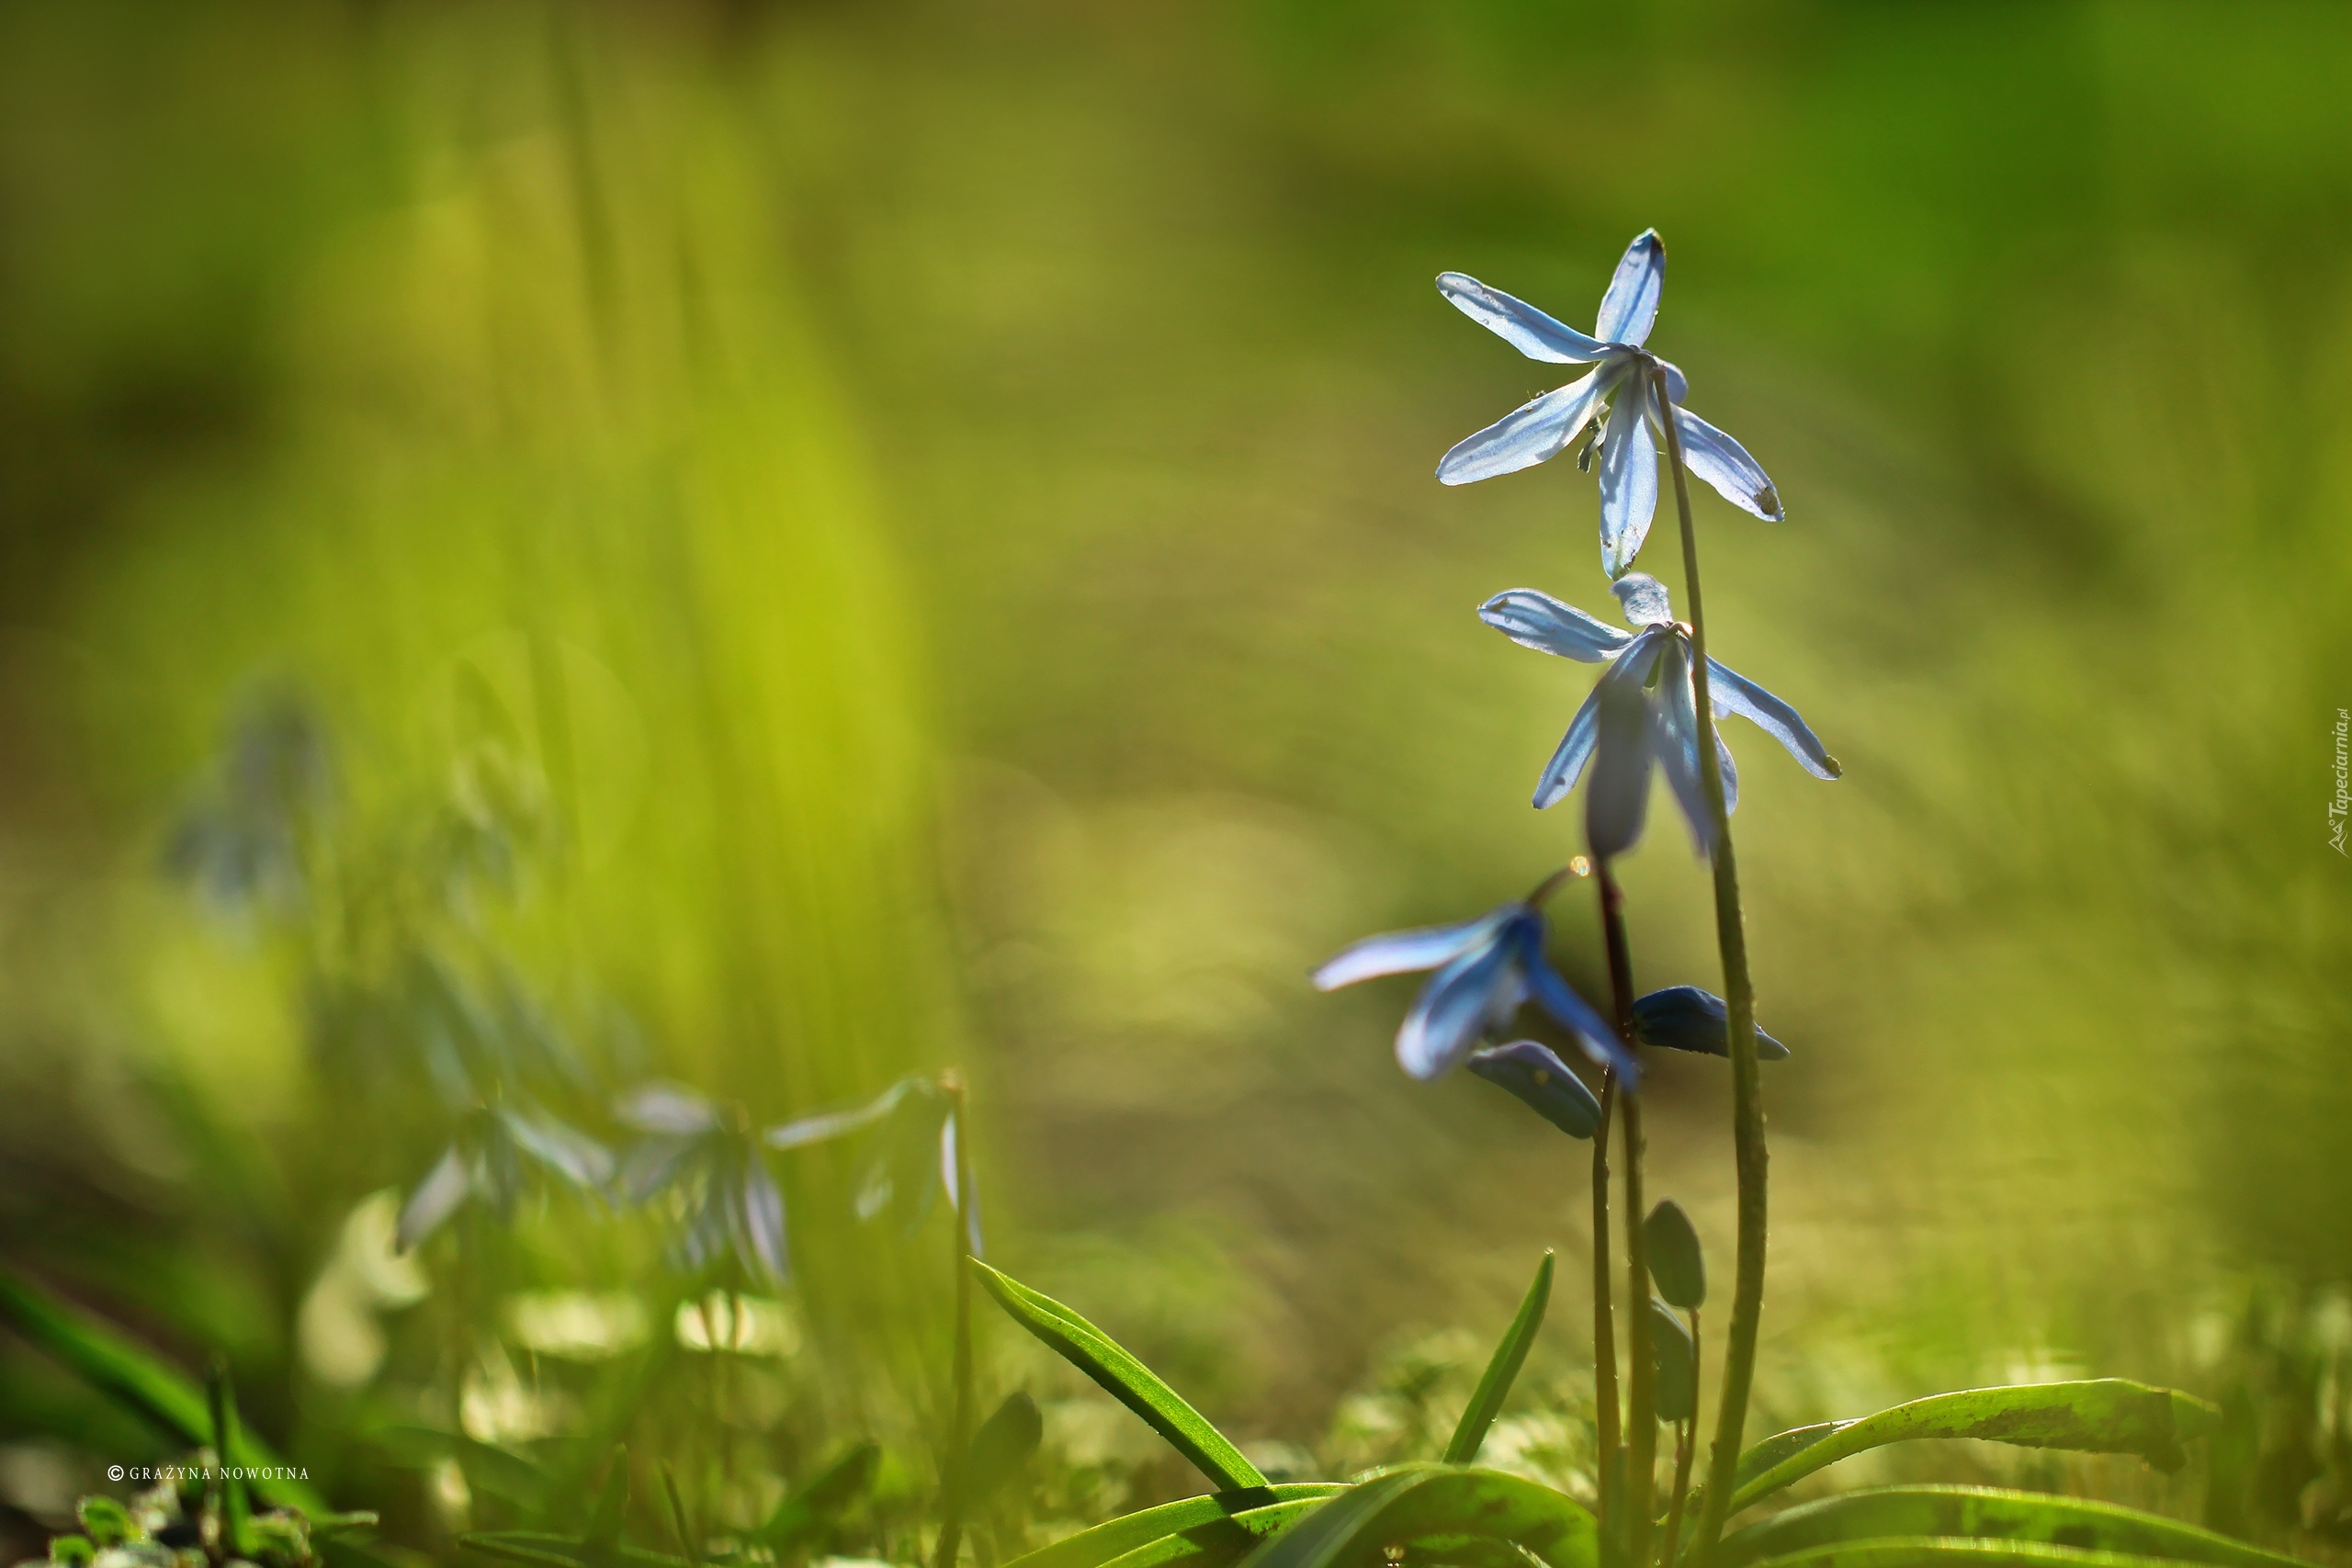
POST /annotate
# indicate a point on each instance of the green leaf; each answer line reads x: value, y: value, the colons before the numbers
x: 1220, y: 1542
x: 1417, y: 1501
x: 1502, y: 1368
x: 834, y: 1488
x: 565, y: 1550
x: 1115, y: 1538
x: 1676, y: 1262
x: 611, y: 1503
x: 1128, y: 1380
x: 1674, y: 1357
x: 999, y: 1449
x: 236, y: 1507
x: 2108, y: 1415
x: 105, y: 1520
x: 1945, y: 1551
x: 499, y: 1472
x: 138, y: 1380
x: 1986, y: 1512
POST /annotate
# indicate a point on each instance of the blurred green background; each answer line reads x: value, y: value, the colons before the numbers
x: 930, y: 506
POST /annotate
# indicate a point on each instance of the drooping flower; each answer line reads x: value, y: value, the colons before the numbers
x: 497, y: 1153
x: 1486, y: 969
x: 1643, y: 710
x: 704, y: 1161
x: 1618, y: 397
x: 1533, y: 1073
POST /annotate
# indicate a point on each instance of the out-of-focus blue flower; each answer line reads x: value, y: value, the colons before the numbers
x: 1642, y: 710
x: 493, y: 1159
x: 1618, y: 397
x: 1684, y: 1017
x: 919, y: 1129
x: 1533, y: 1072
x: 1484, y: 970
x: 704, y: 1161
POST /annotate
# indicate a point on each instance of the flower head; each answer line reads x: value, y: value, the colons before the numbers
x: 1642, y: 710
x: 1618, y: 397
x: 704, y: 1160
x: 1484, y: 970
x: 498, y: 1152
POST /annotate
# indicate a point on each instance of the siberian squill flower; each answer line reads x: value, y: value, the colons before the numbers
x: 703, y: 1161
x: 1618, y: 397
x: 1642, y: 710
x: 1486, y: 969
x: 496, y: 1154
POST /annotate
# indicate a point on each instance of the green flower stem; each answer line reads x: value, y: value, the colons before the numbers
x: 1606, y: 1435
x: 1749, y: 1156
x: 1641, y: 1436
x: 959, y: 1433
x: 1685, y: 1441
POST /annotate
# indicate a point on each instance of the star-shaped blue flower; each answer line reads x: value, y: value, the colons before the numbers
x: 1486, y: 969
x: 1618, y: 394
x: 1642, y: 710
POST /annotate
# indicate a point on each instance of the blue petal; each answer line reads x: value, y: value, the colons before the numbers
x: 1533, y: 1072
x: 758, y: 1221
x: 831, y: 1124
x: 435, y: 1199
x: 1684, y: 1017
x: 1542, y: 623
x: 1522, y: 325
x: 1731, y: 692
x: 1559, y: 774
x: 1645, y: 600
x: 1571, y: 1011
x: 1676, y: 716
x: 1402, y: 952
x: 1619, y: 798
x: 1529, y: 435
x: 573, y: 1154
x: 666, y: 1108
x: 1678, y: 385
x: 1628, y: 478
x: 1454, y: 1008
x: 1631, y: 304
x: 1725, y: 464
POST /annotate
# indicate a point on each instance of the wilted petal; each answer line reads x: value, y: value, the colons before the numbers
x: 1725, y: 464
x: 1684, y: 1017
x: 1544, y: 624
x: 666, y: 1108
x: 1516, y: 323
x: 570, y: 1154
x: 1454, y: 1008
x: 758, y: 1221
x: 1645, y: 600
x: 1631, y: 305
x: 1527, y: 435
x: 1403, y: 952
x: 1628, y: 478
x: 1731, y: 692
x: 436, y: 1199
x: 1619, y: 798
x: 1535, y: 1073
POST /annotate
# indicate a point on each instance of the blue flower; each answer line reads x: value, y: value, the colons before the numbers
x: 1684, y: 1017
x: 1642, y: 710
x: 1486, y: 969
x: 1618, y: 397
x: 1533, y: 1072
x: 493, y: 1159
x: 703, y: 1162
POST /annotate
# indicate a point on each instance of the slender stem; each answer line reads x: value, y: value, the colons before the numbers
x: 1604, y: 1321
x: 1686, y: 1432
x: 959, y: 1438
x: 1641, y: 1436
x: 1749, y: 1153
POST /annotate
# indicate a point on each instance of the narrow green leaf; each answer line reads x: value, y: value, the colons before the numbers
x: 1502, y: 1368
x: 1782, y: 1445
x: 1115, y: 1538
x: 138, y: 1381
x: 2111, y: 1416
x: 1221, y: 1542
x: 1986, y: 1512
x: 679, y: 1524
x: 236, y: 1505
x: 611, y: 1503
x: 1944, y: 1551
x: 500, y: 1472
x: 1676, y: 1262
x: 830, y: 1491
x: 1417, y: 1501
x: 1128, y: 1380
x: 999, y: 1449
x: 1674, y: 1357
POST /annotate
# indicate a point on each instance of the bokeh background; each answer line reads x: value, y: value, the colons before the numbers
x: 908, y: 531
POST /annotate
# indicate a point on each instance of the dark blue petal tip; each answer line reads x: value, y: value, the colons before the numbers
x: 1684, y: 1017
x: 1542, y: 1082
